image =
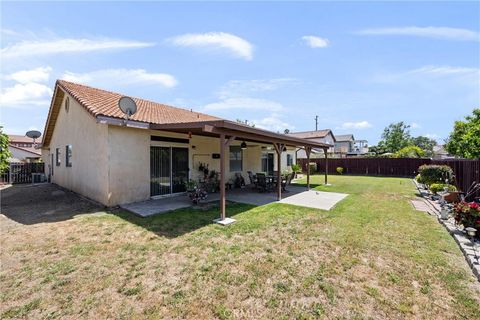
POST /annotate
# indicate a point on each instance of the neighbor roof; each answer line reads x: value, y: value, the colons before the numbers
x: 15, y: 138
x: 311, y: 134
x: 344, y: 137
x: 31, y: 150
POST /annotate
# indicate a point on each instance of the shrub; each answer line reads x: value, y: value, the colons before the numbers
x: 339, y: 170
x: 296, y: 168
x: 418, y: 178
x: 410, y: 152
x: 467, y: 214
x: 436, y: 187
x: 312, y: 166
x: 430, y: 174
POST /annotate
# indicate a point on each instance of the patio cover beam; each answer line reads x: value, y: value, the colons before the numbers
x: 230, y: 128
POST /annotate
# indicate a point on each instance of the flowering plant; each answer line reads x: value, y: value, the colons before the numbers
x: 467, y: 214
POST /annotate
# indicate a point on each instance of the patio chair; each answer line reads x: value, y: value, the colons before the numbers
x: 262, y: 184
x: 252, y: 178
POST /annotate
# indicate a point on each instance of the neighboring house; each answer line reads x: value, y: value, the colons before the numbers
x: 23, y: 149
x: 346, y: 145
x: 321, y: 136
x: 90, y: 148
x: 439, y: 152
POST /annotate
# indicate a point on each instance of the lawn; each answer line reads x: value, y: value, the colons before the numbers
x: 372, y: 256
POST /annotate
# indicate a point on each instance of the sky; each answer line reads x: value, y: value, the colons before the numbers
x: 359, y: 66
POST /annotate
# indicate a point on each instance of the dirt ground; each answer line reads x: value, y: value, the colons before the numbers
x: 37, y: 203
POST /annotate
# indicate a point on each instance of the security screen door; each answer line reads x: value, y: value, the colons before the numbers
x: 168, y: 170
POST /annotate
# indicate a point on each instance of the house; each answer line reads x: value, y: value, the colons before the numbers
x: 346, y: 145
x: 22, y: 149
x: 321, y: 136
x: 89, y: 147
x: 439, y: 152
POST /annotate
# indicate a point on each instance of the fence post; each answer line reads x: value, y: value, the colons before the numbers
x: 10, y: 174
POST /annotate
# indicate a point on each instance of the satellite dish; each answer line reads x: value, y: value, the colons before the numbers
x: 127, y: 105
x: 34, y: 134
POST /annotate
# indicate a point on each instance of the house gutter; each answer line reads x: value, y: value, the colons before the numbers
x: 123, y: 122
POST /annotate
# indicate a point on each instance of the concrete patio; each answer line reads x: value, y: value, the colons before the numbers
x: 296, y: 195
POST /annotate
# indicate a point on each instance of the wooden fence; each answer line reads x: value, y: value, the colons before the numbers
x: 20, y: 172
x: 466, y: 171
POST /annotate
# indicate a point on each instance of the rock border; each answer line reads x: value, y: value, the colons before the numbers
x: 466, y: 246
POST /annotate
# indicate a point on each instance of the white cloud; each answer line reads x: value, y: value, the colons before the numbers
x: 245, y: 104
x: 426, y: 74
x: 40, y: 74
x: 356, y: 125
x: 430, y: 32
x: 239, y: 47
x: 235, y: 88
x: 445, y: 71
x: 35, y: 48
x: 316, y: 42
x: 25, y: 94
x: 431, y: 136
x: 273, y: 123
x: 415, y: 125
x: 28, y: 89
x: 121, y: 77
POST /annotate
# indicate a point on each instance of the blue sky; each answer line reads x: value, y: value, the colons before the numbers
x: 358, y: 66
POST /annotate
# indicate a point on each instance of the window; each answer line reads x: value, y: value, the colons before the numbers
x: 235, y: 159
x: 57, y: 157
x: 67, y: 104
x: 68, y: 155
x: 289, y: 159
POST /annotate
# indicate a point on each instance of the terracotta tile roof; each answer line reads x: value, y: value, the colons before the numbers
x: 21, y: 139
x: 311, y: 134
x: 105, y: 103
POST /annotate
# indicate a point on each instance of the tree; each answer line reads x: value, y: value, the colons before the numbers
x: 395, y: 137
x: 4, y: 151
x: 410, y: 152
x: 286, y: 131
x: 464, y: 141
x: 424, y: 143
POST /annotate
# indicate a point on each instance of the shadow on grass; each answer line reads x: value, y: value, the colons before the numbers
x: 312, y: 185
x: 179, y: 222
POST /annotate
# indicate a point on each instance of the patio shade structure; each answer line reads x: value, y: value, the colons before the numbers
x: 227, y: 131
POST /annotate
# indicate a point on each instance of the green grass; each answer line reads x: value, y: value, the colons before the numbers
x: 371, y: 256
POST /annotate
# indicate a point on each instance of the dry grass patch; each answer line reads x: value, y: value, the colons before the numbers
x: 372, y: 256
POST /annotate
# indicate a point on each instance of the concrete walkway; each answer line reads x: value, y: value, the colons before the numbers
x: 296, y: 195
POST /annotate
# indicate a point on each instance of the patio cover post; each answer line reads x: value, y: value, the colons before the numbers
x: 222, y: 176
x: 223, y: 145
x: 326, y: 165
x: 279, y: 148
x: 307, y: 151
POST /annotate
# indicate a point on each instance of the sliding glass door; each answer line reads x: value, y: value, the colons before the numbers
x: 168, y: 170
x: 179, y: 169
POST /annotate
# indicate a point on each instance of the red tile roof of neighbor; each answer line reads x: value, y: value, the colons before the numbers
x: 15, y: 138
x: 105, y: 103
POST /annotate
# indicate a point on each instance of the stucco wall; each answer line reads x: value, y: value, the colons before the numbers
x: 88, y: 173
x: 111, y: 164
x: 129, y: 165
